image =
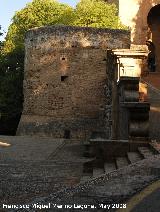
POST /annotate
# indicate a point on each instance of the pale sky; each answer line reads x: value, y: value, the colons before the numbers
x: 8, y: 8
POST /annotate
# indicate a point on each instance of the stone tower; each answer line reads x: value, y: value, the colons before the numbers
x: 65, y: 79
x: 134, y: 14
x: 142, y: 17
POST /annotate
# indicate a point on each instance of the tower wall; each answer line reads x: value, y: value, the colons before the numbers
x: 64, y: 80
x: 133, y: 13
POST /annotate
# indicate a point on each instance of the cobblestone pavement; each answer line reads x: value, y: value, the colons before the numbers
x: 32, y: 167
x: 112, y: 191
x: 45, y: 171
x: 105, y: 193
x: 28, y: 148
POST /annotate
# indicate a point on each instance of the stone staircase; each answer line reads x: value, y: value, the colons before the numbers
x: 100, y: 166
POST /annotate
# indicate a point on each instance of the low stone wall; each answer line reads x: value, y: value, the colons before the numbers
x: 59, y: 128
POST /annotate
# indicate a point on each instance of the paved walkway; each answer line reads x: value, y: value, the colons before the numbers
x: 32, y: 167
x: 28, y: 148
x: 147, y: 200
x: 44, y: 169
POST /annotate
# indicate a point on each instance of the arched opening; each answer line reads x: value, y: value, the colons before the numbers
x: 153, y: 20
x: 153, y: 79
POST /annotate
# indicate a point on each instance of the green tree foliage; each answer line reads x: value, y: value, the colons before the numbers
x: 11, y: 68
x: 11, y: 83
x: 96, y: 13
x: 1, y: 31
x: 90, y: 13
x: 11, y: 87
x: 1, y: 42
x: 35, y: 14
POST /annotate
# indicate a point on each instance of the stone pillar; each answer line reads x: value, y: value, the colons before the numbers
x: 128, y: 110
x: 134, y: 115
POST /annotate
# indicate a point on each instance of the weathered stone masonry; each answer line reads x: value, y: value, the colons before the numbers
x: 65, y: 77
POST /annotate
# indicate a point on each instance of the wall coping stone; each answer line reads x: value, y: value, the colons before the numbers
x: 69, y: 29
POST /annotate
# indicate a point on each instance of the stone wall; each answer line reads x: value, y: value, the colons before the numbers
x: 65, y: 76
x: 152, y: 81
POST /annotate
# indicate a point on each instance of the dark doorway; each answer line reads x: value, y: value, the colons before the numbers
x: 153, y: 15
x: 153, y: 20
x: 67, y: 134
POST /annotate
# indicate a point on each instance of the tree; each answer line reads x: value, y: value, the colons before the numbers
x: 1, y: 42
x: 11, y: 90
x: 96, y: 13
x: 90, y: 13
x: 35, y: 14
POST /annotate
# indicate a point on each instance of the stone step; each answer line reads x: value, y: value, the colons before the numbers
x: 97, y: 171
x: 109, y: 167
x: 121, y: 162
x: 85, y: 178
x: 134, y: 157
x: 146, y: 152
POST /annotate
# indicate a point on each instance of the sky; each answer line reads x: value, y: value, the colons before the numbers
x: 8, y: 8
